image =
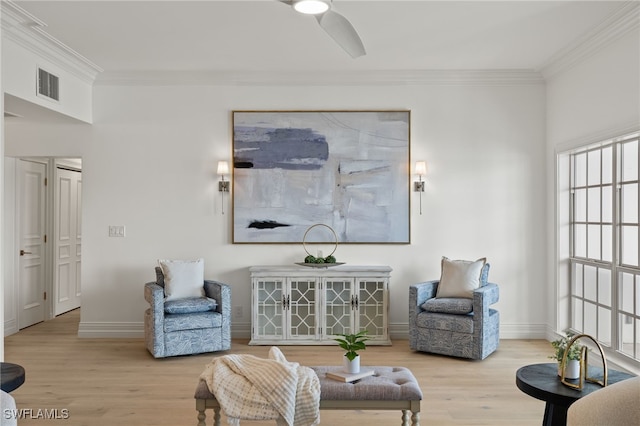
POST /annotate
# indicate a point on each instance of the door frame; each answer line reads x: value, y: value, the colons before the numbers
x: 12, y: 244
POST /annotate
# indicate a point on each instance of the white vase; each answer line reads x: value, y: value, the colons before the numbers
x: 351, y: 367
x: 571, y: 369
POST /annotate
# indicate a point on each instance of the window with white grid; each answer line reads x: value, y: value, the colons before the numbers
x: 605, y: 264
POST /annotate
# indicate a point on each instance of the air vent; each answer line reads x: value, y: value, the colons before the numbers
x: 48, y: 85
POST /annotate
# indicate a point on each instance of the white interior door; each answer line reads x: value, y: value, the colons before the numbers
x: 67, y: 232
x: 32, y: 210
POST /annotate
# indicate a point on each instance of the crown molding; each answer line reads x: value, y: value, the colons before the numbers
x: 622, y: 129
x: 324, y: 78
x: 28, y: 31
x: 619, y: 23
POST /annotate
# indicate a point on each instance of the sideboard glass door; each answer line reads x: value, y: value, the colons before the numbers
x: 371, y: 307
x: 301, y: 309
x: 269, y: 318
x: 339, y: 302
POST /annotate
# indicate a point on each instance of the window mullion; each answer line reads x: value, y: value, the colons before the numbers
x: 638, y: 207
x: 615, y: 217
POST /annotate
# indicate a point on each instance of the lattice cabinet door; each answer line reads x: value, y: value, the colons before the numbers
x: 338, y: 306
x: 301, y: 309
x: 371, y: 307
x: 269, y: 304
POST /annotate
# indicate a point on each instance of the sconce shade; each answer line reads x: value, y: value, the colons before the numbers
x: 223, y: 168
x: 311, y: 7
x: 421, y: 168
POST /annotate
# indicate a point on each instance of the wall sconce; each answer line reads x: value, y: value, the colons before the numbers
x: 223, y: 185
x: 223, y: 169
x: 421, y: 170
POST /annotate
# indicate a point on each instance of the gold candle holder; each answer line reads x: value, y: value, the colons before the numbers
x: 584, y: 366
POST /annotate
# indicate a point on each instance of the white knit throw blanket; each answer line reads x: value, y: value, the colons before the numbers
x: 252, y: 388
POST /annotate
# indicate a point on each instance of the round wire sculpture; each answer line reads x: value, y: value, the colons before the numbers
x: 584, y: 364
x: 322, y: 264
x: 335, y: 237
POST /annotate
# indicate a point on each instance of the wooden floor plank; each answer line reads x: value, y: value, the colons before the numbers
x: 116, y: 382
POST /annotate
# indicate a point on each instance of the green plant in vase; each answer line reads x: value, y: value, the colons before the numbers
x: 352, y: 343
x: 560, y: 346
x: 572, y: 369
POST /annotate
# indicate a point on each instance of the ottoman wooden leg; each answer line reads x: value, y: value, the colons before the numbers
x: 405, y: 417
x: 415, y: 419
x: 202, y: 416
x: 216, y: 416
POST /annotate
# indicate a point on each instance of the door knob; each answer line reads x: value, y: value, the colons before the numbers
x: 22, y: 252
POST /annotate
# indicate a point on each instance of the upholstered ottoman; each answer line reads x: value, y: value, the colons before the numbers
x: 390, y: 388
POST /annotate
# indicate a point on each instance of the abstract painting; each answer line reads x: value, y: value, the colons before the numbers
x: 345, y: 169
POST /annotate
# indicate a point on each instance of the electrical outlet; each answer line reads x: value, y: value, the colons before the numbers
x: 237, y: 312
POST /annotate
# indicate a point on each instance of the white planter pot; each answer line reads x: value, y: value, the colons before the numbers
x: 571, y: 370
x: 351, y: 367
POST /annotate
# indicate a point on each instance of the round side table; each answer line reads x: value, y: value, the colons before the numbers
x: 541, y: 381
x: 12, y: 376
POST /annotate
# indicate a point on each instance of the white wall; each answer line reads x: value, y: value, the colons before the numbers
x: 10, y: 286
x: 2, y: 248
x: 149, y: 164
x: 597, y: 99
x: 20, y: 80
x: 598, y: 96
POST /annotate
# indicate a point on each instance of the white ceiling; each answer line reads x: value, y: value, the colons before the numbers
x: 266, y: 35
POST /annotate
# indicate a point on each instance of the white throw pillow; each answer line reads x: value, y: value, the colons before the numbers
x: 182, y: 278
x: 459, y: 278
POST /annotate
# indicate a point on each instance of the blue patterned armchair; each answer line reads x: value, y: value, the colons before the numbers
x: 187, y: 326
x: 447, y: 328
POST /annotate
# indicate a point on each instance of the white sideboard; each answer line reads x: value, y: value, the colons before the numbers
x: 310, y: 306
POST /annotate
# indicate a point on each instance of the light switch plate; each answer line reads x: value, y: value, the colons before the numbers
x: 116, y: 231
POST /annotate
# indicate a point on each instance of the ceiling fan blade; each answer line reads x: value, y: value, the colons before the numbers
x: 341, y: 30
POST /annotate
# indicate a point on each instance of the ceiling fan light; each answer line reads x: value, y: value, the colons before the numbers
x: 311, y: 7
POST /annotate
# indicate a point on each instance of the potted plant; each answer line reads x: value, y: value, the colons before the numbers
x: 352, y: 343
x: 572, y: 369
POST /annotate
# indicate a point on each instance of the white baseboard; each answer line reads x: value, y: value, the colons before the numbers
x: 10, y: 327
x: 241, y: 330
x: 399, y: 331
x: 128, y: 330
x: 523, y: 331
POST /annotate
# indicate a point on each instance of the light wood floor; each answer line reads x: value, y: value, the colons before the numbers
x: 113, y: 382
